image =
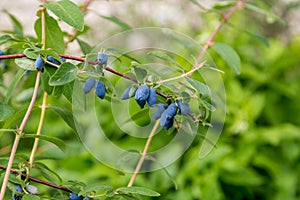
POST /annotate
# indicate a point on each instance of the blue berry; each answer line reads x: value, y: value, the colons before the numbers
x: 32, y: 189
x: 160, y: 109
x: 100, y: 89
x: 184, y: 108
x: 141, y: 95
x: 74, y: 196
x: 54, y: 61
x: 89, y: 85
x: 39, y: 63
x: 2, y: 53
x: 167, y: 117
x: 152, y: 97
x: 18, y: 188
x: 102, y: 58
x: 125, y: 94
x: 85, y: 198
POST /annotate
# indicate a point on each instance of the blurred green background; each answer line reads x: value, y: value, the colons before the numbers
x: 258, y: 153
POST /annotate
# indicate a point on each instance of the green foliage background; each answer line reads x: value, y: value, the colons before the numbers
x: 257, y: 155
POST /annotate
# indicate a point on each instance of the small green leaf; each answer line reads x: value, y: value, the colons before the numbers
x: 165, y: 57
x: 30, y: 53
x: 138, y: 190
x: 66, y: 73
x: 5, y: 111
x: 30, y: 197
x: 140, y: 74
x: 25, y: 63
x: 13, y: 84
x: 200, y: 87
x: 68, y: 91
x: 117, y: 21
x: 66, y: 115
x: 18, y: 29
x: 229, y: 55
x: 54, y: 36
x: 85, y: 47
x: 45, y: 170
x: 58, y: 142
x: 93, y: 188
x: 69, y: 12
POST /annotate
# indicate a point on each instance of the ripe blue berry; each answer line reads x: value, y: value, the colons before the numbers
x: 102, y: 58
x: 54, y: 61
x: 100, y: 89
x: 15, y: 196
x: 125, y: 94
x: 152, y: 97
x: 85, y: 198
x: 184, y: 108
x: 141, y: 95
x: 2, y: 53
x: 39, y: 63
x: 89, y: 85
x: 160, y: 109
x: 167, y: 117
x: 74, y: 196
x: 32, y: 189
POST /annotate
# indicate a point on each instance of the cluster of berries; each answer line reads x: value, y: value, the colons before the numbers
x: 29, y: 188
x: 74, y: 196
x: 166, y: 114
x: 39, y: 62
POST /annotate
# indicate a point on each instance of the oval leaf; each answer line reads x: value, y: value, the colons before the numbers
x: 25, y: 63
x: 65, y: 74
x: 138, y: 190
x: 94, y: 188
x: 5, y: 111
x: 58, y: 142
x: 200, y: 87
x: 69, y: 12
x: 229, y: 55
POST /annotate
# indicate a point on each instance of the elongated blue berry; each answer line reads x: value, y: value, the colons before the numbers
x: 74, y: 196
x: 172, y: 110
x: 15, y: 196
x: 141, y: 95
x: 152, y: 97
x: 39, y: 63
x: 125, y: 94
x: 54, y: 61
x: 102, y: 58
x: 184, y: 108
x: 32, y: 189
x: 160, y: 109
x: 89, y: 85
x: 100, y: 89
x: 167, y: 117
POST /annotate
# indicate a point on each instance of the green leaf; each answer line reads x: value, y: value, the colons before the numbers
x: 165, y: 57
x: 18, y: 29
x: 69, y: 12
x: 30, y: 53
x: 45, y: 171
x: 85, y: 47
x: 117, y: 21
x: 66, y: 73
x: 66, y: 115
x: 140, y: 74
x: 25, y: 63
x: 5, y: 111
x: 138, y: 190
x: 229, y: 55
x: 93, y: 188
x: 68, y: 91
x: 58, y: 142
x: 30, y: 197
x: 45, y: 81
x: 13, y: 84
x: 54, y: 36
x: 200, y: 87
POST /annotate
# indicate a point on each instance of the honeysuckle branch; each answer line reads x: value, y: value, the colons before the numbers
x: 23, y: 176
x: 210, y: 41
x: 19, y: 134
x: 143, y: 154
x: 39, y: 130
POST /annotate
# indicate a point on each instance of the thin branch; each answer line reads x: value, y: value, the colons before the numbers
x: 143, y: 155
x: 37, y: 180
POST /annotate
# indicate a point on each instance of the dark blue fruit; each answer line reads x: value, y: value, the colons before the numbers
x: 32, y: 189
x: 39, y: 63
x: 152, y: 97
x: 141, y: 95
x: 85, y: 198
x: 15, y: 196
x: 125, y: 94
x: 160, y: 109
x: 100, y: 89
x: 89, y: 85
x: 2, y: 53
x: 54, y: 61
x: 74, y: 196
x: 184, y: 108
x: 102, y: 58
x: 167, y: 117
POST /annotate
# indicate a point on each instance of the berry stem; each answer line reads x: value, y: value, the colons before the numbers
x: 39, y: 130
x: 143, y: 155
x: 19, y: 134
x: 210, y: 42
